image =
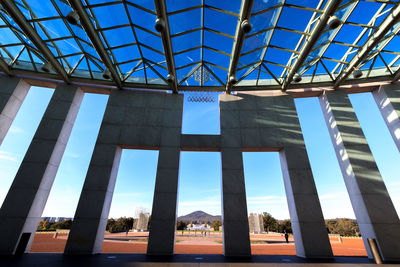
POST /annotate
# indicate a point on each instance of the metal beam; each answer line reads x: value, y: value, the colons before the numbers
x: 396, y: 76
x: 4, y: 67
x: 95, y: 39
x: 317, y: 31
x: 371, y: 43
x: 166, y: 40
x: 30, y: 32
x: 245, y: 13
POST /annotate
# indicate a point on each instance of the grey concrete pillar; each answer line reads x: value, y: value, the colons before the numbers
x: 26, y: 199
x: 374, y: 210
x: 234, y: 206
x: 12, y: 94
x: 90, y: 220
x: 387, y: 97
x: 131, y: 120
x: 270, y: 123
x: 163, y: 216
x: 308, y: 225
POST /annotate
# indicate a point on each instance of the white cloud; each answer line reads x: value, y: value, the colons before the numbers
x: 8, y: 156
x: 73, y: 155
x: 16, y: 130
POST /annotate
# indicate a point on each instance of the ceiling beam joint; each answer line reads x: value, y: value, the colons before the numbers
x: 91, y: 32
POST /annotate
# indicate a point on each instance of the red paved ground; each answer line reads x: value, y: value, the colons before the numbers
x: 45, y: 242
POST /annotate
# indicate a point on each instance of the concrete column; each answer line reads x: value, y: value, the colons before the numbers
x: 163, y: 216
x: 270, y: 123
x: 12, y: 93
x: 26, y: 199
x: 387, y: 97
x: 374, y: 210
x: 90, y: 220
x: 234, y: 206
x: 131, y: 120
x: 308, y: 225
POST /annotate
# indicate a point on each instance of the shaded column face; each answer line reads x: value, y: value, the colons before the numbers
x: 234, y: 208
x: 30, y: 189
x: 387, y: 97
x: 163, y: 216
x: 131, y: 120
x: 12, y: 94
x: 370, y: 199
x: 270, y: 123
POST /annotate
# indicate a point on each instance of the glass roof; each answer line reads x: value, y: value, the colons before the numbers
x: 202, y: 42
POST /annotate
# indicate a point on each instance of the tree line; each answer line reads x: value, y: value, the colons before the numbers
x: 45, y: 225
x: 339, y: 226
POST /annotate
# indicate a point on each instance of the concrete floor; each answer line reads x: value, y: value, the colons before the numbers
x: 40, y: 259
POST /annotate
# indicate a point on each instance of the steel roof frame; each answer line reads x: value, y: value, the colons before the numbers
x: 372, y: 41
x: 95, y: 39
x: 28, y: 30
x: 317, y: 31
x: 166, y: 41
x: 378, y: 39
x: 245, y: 14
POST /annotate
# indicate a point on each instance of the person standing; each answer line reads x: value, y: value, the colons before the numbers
x: 287, y: 237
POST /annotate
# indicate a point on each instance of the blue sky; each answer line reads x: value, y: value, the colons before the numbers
x: 200, y: 172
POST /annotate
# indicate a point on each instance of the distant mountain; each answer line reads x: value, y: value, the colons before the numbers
x: 199, y: 217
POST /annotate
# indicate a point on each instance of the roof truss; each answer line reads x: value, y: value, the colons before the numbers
x: 95, y: 39
x: 374, y: 40
x: 31, y: 33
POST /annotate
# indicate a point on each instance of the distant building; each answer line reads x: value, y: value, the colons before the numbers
x: 141, y: 220
x: 198, y: 227
x: 256, y: 225
x: 55, y: 219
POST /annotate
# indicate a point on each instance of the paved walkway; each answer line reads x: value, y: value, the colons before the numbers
x: 188, y: 260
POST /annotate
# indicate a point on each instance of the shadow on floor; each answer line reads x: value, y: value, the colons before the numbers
x: 47, y: 259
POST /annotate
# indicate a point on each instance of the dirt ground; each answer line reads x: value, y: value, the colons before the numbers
x: 272, y: 244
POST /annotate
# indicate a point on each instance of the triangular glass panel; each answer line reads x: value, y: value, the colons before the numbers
x: 276, y: 70
x: 152, y: 77
x: 83, y: 65
x: 94, y: 67
x: 35, y: 58
x: 73, y: 60
x: 182, y: 73
x: 265, y: 78
x: 127, y: 67
x: 213, y: 77
x: 138, y: 76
